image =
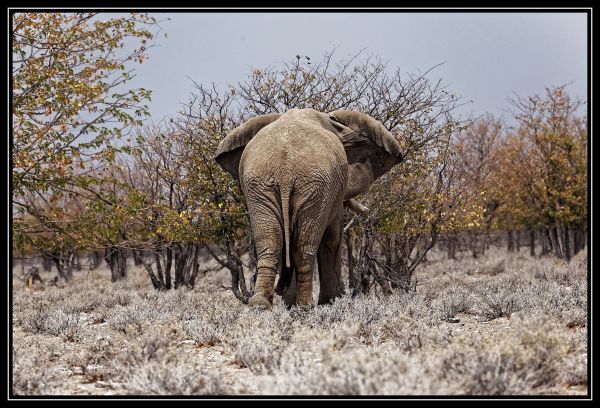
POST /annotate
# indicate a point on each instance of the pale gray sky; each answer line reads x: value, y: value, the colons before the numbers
x: 487, y: 55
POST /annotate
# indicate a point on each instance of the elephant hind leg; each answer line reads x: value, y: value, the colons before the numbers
x: 329, y: 260
x: 268, y: 241
x: 265, y: 279
x: 308, y: 238
x: 305, y: 260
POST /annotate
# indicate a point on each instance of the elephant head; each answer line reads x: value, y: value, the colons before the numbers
x: 296, y: 170
x: 371, y: 150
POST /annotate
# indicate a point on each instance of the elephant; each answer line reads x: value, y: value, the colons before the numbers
x: 297, y: 170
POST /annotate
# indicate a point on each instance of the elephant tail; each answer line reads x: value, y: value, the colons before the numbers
x: 285, y: 209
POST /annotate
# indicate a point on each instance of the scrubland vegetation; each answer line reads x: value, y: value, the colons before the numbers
x: 470, y: 329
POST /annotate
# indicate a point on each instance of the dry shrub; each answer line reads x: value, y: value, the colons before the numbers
x: 260, y: 355
x: 39, y: 317
x: 30, y: 373
x: 32, y: 316
x: 452, y: 301
x: 382, y: 371
x: 65, y: 325
x: 507, y: 367
x: 405, y: 334
x: 127, y: 319
x: 210, y: 325
x: 129, y: 339
x: 258, y: 339
x: 499, y: 297
x: 574, y: 370
x: 171, y: 377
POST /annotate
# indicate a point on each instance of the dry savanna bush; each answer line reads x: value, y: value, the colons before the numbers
x: 471, y: 328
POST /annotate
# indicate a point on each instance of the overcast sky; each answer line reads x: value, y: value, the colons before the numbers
x: 486, y: 56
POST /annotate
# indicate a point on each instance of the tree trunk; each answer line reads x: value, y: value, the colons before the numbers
x: 137, y: 261
x: 63, y: 266
x: 116, y: 259
x: 554, y: 239
x: 353, y: 281
x: 77, y: 261
x: 578, y: 238
x: 393, y: 257
x: 159, y: 269
x: 387, y: 250
x: 67, y: 268
x: 518, y: 240
x: 511, y: 241
x: 167, y: 271
x: 180, y: 255
x: 235, y: 266
x: 47, y: 263
x: 253, y: 263
x: 452, y: 248
x: 95, y: 259
x: 484, y: 245
x: 566, y: 243
x: 387, y: 245
x: 361, y: 267
x: 475, y: 246
x: 122, y: 271
x: 548, y: 239
x: 532, y: 242
x: 185, y: 257
x: 195, y: 267
x: 157, y: 281
x: 111, y: 259
x: 545, y: 241
x: 365, y: 265
x: 22, y: 255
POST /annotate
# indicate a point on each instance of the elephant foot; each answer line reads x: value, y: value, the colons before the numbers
x: 326, y: 300
x: 260, y: 301
x: 304, y: 302
x: 304, y: 308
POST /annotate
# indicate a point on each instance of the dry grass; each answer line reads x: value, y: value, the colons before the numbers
x: 495, y: 326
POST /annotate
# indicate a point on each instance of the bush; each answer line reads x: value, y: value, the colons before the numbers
x: 168, y: 377
x: 30, y: 373
x: 499, y: 298
x: 64, y: 325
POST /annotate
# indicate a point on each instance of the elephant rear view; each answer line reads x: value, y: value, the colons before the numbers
x: 296, y: 170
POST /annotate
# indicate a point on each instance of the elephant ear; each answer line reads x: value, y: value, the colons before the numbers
x: 370, y: 148
x: 230, y: 149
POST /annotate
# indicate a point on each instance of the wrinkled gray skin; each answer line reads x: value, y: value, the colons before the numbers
x: 296, y: 170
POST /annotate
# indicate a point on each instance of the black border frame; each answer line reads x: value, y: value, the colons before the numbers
x: 308, y: 9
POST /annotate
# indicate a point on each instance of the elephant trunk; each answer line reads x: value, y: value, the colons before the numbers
x: 285, y: 209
